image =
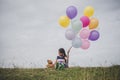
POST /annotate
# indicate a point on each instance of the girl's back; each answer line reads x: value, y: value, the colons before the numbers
x: 60, y: 59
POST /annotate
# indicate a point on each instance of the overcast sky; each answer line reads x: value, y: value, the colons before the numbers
x: 30, y: 33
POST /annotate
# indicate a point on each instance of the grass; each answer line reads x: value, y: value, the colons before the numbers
x: 75, y: 73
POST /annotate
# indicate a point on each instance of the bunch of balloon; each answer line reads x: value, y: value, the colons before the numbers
x: 85, y: 27
x: 88, y: 31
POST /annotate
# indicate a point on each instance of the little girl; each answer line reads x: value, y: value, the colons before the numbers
x: 62, y: 59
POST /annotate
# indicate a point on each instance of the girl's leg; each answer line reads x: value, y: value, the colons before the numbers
x: 57, y: 65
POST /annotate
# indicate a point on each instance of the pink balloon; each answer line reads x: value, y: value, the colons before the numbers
x: 85, y: 44
x: 85, y: 20
x: 84, y: 33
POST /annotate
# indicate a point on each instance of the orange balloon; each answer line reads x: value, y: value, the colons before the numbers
x: 93, y: 23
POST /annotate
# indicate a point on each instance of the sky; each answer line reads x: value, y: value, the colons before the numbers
x: 30, y: 33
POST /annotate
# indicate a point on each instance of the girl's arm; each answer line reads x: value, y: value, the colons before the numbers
x: 68, y: 54
x: 68, y: 51
x: 55, y: 62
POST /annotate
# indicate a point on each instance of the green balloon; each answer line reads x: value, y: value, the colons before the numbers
x: 76, y: 25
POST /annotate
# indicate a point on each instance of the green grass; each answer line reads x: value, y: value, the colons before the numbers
x: 75, y: 73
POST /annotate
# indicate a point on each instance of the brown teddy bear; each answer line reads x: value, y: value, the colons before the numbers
x: 50, y: 64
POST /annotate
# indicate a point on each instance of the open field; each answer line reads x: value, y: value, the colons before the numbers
x: 74, y: 73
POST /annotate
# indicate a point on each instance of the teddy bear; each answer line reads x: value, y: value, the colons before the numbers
x: 50, y: 64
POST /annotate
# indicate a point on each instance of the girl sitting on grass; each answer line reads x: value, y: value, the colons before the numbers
x: 62, y: 59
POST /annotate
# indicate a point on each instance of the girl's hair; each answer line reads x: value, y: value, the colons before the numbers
x: 61, y: 50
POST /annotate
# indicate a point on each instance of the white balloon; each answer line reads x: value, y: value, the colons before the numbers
x: 77, y: 42
x: 70, y: 34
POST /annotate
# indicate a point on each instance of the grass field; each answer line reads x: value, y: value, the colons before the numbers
x: 74, y: 73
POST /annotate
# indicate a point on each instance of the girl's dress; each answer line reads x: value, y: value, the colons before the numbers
x: 60, y: 62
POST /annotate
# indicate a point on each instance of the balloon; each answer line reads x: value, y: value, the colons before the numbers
x: 93, y: 23
x: 85, y: 20
x: 76, y: 25
x: 71, y: 12
x: 94, y: 35
x: 70, y: 34
x: 89, y: 11
x: 76, y: 43
x: 85, y: 44
x: 64, y: 21
x: 84, y: 33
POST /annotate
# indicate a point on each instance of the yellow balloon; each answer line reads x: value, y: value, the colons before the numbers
x: 93, y: 23
x: 88, y: 11
x: 64, y: 21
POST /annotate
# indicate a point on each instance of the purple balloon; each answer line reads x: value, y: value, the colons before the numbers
x: 71, y: 12
x: 94, y: 35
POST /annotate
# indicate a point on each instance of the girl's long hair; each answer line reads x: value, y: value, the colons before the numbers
x: 61, y: 50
